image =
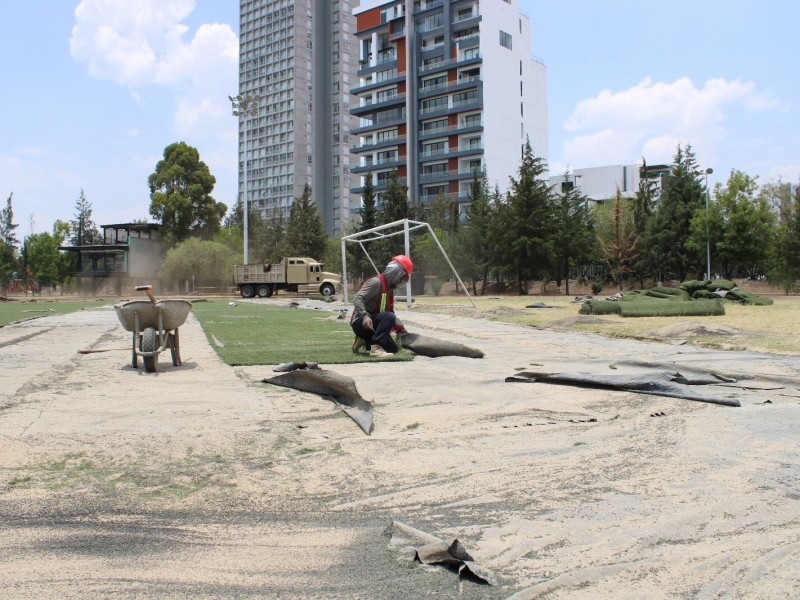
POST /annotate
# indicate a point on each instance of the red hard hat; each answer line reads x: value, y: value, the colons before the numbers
x: 404, y: 262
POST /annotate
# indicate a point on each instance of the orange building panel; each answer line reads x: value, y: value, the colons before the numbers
x: 368, y: 19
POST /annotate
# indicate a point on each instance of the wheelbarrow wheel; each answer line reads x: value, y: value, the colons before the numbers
x: 149, y: 344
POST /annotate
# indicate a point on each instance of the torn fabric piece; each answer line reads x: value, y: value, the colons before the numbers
x: 338, y: 388
x: 433, y: 348
x: 430, y: 550
x: 454, y: 556
x: 657, y: 384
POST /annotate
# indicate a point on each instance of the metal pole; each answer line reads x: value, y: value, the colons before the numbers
x: 708, y: 235
x: 245, y: 207
x: 246, y: 106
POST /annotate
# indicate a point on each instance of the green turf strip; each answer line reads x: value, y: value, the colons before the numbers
x: 22, y: 310
x: 253, y: 333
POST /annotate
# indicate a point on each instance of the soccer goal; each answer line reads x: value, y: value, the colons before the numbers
x: 402, y: 227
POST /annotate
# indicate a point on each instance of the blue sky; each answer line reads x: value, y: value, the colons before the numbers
x: 94, y: 90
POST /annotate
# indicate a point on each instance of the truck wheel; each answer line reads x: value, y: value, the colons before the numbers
x: 246, y: 291
x: 264, y: 291
x: 149, y: 343
x: 326, y: 289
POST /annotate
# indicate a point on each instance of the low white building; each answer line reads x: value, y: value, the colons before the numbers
x: 601, y: 183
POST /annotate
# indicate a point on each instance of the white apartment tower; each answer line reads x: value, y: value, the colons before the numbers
x: 446, y: 87
x: 301, y: 58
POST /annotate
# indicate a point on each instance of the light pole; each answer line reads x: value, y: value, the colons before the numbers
x: 708, y: 172
x: 244, y: 106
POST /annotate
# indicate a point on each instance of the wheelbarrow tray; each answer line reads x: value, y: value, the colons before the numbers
x: 173, y: 313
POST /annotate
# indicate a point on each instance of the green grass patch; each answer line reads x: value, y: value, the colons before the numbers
x: 21, y: 310
x: 252, y: 333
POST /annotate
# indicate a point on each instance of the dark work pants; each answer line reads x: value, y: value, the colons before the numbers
x: 382, y: 335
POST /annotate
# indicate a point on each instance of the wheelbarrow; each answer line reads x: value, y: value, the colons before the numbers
x: 154, y: 325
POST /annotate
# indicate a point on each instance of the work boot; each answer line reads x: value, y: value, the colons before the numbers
x: 358, y: 343
x: 378, y: 352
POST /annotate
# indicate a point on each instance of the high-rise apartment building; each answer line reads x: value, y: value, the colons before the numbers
x: 301, y: 58
x: 446, y: 87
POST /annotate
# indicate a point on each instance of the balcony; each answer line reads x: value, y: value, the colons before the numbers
x: 377, y: 104
x: 433, y: 153
x: 446, y: 64
x: 423, y: 6
x: 395, y: 141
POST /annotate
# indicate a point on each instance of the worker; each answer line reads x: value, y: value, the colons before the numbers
x: 373, y: 319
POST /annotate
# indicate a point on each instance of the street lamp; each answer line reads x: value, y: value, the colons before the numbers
x: 244, y: 106
x: 708, y: 172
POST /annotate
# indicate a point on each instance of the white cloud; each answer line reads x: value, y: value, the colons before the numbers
x: 142, y: 43
x: 650, y: 119
x: 786, y: 173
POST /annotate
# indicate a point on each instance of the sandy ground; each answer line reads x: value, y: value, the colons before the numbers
x: 199, y: 481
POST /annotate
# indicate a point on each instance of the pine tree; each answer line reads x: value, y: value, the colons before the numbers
x: 574, y: 235
x: 786, y: 252
x: 305, y: 233
x: 683, y: 195
x: 368, y: 214
x: 530, y: 240
x: 619, y: 245
x: 8, y: 242
x: 643, y: 207
x: 474, y: 239
x: 83, y: 231
x: 395, y: 208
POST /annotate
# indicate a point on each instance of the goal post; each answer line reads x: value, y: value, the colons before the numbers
x: 402, y: 227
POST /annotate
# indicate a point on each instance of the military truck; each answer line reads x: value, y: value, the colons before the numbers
x: 295, y: 274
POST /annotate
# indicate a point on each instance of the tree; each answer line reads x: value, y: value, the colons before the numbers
x: 643, y: 206
x: 442, y: 214
x: 574, y: 238
x: 8, y: 242
x: 683, y: 195
x: 42, y: 259
x: 368, y: 219
x: 205, y: 262
x: 83, y: 231
x: 395, y: 208
x: 180, y: 195
x: 741, y: 227
x: 618, y: 241
x: 473, y: 254
x: 305, y: 233
x: 786, y: 248
x: 530, y: 240
x: 275, y: 236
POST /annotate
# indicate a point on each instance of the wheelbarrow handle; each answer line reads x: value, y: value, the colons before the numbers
x: 147, y: 289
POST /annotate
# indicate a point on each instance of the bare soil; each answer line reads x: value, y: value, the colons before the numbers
x: 200, y: 481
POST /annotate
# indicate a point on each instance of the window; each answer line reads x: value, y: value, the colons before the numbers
x: 387, y: 156
x: 437, y: 169
x: 434, y: 148
x: 383, y: 136
x: 471, y: 120
x: 435, y: 82
x: 505, y: 40
x: 471, y: 53
x: 467, y: 97
x: 435, y: 60
x: 433, y: 126
x: 434, y: 104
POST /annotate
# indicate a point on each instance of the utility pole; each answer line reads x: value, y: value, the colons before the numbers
x: 243, y: 107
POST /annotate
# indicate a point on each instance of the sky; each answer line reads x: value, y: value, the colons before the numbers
x: 94, y: 90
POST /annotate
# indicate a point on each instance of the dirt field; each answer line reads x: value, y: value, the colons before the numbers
x: 200, y: 481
